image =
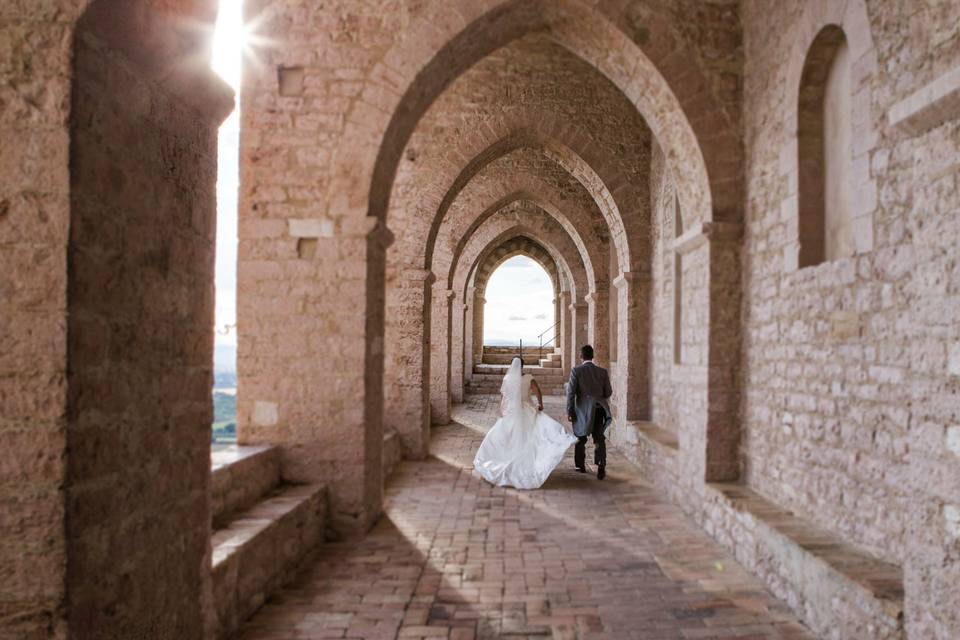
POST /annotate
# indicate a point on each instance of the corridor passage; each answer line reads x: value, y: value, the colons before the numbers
x: 453, y: 557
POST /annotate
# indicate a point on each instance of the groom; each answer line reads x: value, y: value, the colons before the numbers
x: 588, y: 410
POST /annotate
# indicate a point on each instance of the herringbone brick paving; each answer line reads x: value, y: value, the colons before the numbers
x: 453, y: 557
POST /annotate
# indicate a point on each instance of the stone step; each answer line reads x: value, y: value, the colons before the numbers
x: 480, y: 378
x: 491, y: 385
x: 500, y: 370
x: 505, y: 355
x: 557, y: 391
x: 528, y: 357
x: 512, y: 350
x: 261, y: 548
x: 240, y: 476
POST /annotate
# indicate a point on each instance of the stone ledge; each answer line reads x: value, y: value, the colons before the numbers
x: 240, y: 476
x: 261, y: 549
x: 930, y: 106
x: 652, y: 448
x: 831, y: 584
x: 392, y: 453
x: 657, y: 436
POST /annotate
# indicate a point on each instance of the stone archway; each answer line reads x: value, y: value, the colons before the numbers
x: 349, y: 199
x: 444, y: 320
x: 530, y: 220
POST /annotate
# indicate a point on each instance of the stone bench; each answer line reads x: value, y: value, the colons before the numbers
x: 650, y: 447
x: 847, y: 593
x: 262, y: 530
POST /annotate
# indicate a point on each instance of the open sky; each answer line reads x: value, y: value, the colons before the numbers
x: 519, y: 294
x: 519, y: 303
x: 227, y: 51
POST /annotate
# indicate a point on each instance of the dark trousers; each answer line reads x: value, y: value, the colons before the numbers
x: 599, y: 442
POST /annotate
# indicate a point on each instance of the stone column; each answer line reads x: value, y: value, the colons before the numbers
x: 723, y: 353
x: 106, y: 319
x: 579, y: 324
x: 709, y: 423
x: 557, y: 306
x: 478, y: 309
x: 469, y: 330
x: 456, y: 350
x: 440, y: 356
x: 407, y: 361
x: 311, y: 370
x: 563, y: 331
x: 632, y: 388
x: 598, y: 326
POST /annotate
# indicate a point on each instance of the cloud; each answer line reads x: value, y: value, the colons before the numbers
x: 540, y: 316
x: 517, y: 319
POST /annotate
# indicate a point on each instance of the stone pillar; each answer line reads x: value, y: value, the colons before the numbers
x: 440, y: 356
x: 469, y: 330
x: 709, y: 423
x: 311, y: 368
x: 456, y: 350
x: 106, y: 319
x: 478, y: 310
x: 407, y: 361
x: 598, y: 326
x: 580, y: 325
x: 723, y: 353
x: 632, y: 388
x: 563, y: 340
x: 557, y: 306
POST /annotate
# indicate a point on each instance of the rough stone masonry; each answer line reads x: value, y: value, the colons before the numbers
x: 750, y: 208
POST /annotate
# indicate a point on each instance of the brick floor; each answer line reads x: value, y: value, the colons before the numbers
x: 454, y: 557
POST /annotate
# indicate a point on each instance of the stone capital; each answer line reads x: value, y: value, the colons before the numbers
x: 441, y: 293
x: 705, y: 233
x: 595, y: 296
x: 624, y: 279
x: 381, y: 234
x: 578, y: 306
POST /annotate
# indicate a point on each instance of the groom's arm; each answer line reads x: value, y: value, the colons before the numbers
x: 572, y: 394
x: 607, y: 390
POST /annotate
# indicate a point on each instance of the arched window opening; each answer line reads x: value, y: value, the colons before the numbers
x: 824, y: 137
x: 677, y: 286
x: 519, y: 306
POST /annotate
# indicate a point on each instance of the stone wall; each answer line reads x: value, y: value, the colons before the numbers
x: 849, y: 397
x: 34, y: 227
x: 828, y: 368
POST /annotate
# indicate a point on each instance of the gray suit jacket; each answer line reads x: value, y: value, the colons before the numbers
x: 588, y: 388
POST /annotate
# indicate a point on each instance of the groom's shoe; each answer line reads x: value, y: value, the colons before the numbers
x: 601, y: 471
x: 580, y: 469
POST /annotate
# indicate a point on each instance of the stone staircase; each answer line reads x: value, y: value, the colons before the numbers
x: 504, y: 356
x: 487, y: 378
x: 262, y: 530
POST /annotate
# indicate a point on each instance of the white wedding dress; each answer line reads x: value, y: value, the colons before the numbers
x: 525, y: 444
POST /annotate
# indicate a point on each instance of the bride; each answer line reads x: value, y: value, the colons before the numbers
x: 525, y: 444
